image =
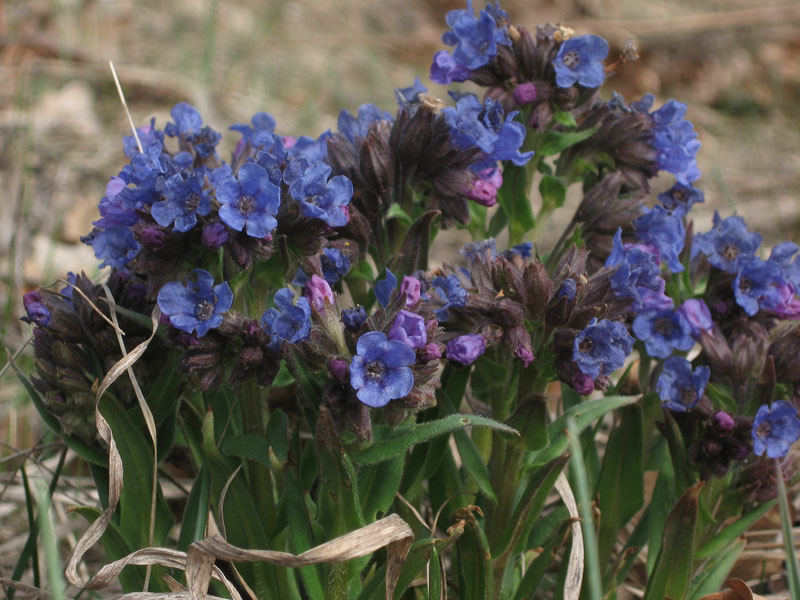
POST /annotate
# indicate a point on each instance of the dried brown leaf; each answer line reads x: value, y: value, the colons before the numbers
x: 574, y: 578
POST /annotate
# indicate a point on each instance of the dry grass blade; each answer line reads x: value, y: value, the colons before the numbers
x: 574, y: 579
x: 75, y: 288
x: 27, y: 591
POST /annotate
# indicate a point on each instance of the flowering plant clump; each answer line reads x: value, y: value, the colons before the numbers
x: 293, y: 356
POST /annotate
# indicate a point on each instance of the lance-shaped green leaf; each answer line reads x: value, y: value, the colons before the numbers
x: 621, y: 487
x: 435, y: 581
x: 475, y: 575
x: 513, y: 197
x: 195, y: 515
x: 714, y: 573
x: 387, y: 449
x: 554, y: 193
x: 530, y: 419
x: 378, y: 484
x: 535, y: 572
x: 584, y: 415
x: 732, y: 531
x: 300, y: 536
x: 556, y: 141
x: 673, y: 570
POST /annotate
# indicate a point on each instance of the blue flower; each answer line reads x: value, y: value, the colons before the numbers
x: 310, y: 149
x: 249, y: 201
x: 115, y: 246
x: 663, y: 230
x: 680, y: 198
x: 185, y: 199
x: 697, y: 315
x: 675, y: 139
x: 352, y: 127
x: 445, y: 69
x: 679, y: 388
x: 637, y: 270
x: 786, y: 256
x: 196, y: 306
x: 334, y: 264
x: 385, y: 287
x: 775, y: 429
x: 478, y: 249
x: 380, y: 372
x: 727, y: 242
x: 567, y: 290
x: 601, y: 348
x: 322, y: 199
x: 409, y: 95
x: 466, y: 349
x: 450, y: 291
x: 476, y: 38
x: 522, y: 250
x: 353, y: 318
x: 263, y: 123
x: 37, y: 312
x: 188, y: 126
x: 663, y: 331
x: 581, y: 59
x: 759, y: 284
x: 287, y: 322
x: 147, y: 136
x: 486, y: 127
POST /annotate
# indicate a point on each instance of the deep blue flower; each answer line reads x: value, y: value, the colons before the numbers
x: 522, y: 250
x: 787, y: 256
x: 680, y: 198
x: 147, y: 134
x: 663, y: 331
x: 466, y: 349
x: 409, y: 328
x: 249, y: 201
x: 676, y: 141
x: 115, y: 246
x: 581, y: 59
x: 450, y: 291
x: 321, y: 198
x: 775, y: 429
x: 185, y: 199
x: 287, y: 322
x: 262, y: 123
x: 727, y: 242
x: 486, y: 127
x: 115, y: 207
x: 637, y: 271
x: 476, y: 38
x: 409, y: 95
x: 697, y: 315
x: 445, y: 69
x: 353, y: 318
x: 663, y: 230
x: 334, y: 264
x: 196, y: 306
x: 214, y: 236
x: 310, y: 149
x: 37, y: 312
x: 352, y: 127
x: 601, y: 348
x: 759, y: 284
x: 385, y: 287
x: 478, y: 249
x: 188, y: 126
x: 679, y: 388
x: 567, y: 290
x: 380, y: 372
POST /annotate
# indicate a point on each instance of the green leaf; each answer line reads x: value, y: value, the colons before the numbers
x: 300, y: 536
x: 732, y: 531
x: 387, y: 449
x: 535, y: 572
x: 673, y: 568
x: 278, y: 434
x: 497, y: 223
x: 362, y: 270
x: 557, y: 141
x: 396, y: 212
x: 251, y: 446
x: 662, y: 501
x: 584, y: 414
x: 163, y: 396
x: 565, y: 118
x: 419, y: 554
x: 620, y: 489
x: 434, y: 576
x: 475, y: 574
x: 195, y: 515
x: 513, y: 197
x: 378, y: 484
x: 715, y: 572
x: 554, y: 193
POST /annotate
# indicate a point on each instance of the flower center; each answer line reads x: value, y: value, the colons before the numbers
x: 204, y: 309
x: 586, y: 345
x: 687, y: 396
x: 245, y: 204
x: 663, y: 326
x: 764, y: 429
x: 745, y: 284
x: 571, y: 59
x: 375, y: 369
x: 192, y: 202
x: 730, y: 252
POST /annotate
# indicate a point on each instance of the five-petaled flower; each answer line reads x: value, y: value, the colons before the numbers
x: 287, y: 322
x: 601, y: 348
x: 379, y: 372
x: 196, y: 306
x: 581, y: 59
x: 249, y: 201
x: 680, y: 388
x: 775, y: 429
x: 321, y: 198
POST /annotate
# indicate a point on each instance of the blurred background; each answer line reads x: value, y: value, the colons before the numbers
x: 734, y: 63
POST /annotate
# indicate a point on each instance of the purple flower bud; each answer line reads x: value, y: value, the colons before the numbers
x: 723, y: 420
x: 525, y: 93
x: 409, y: 328
x: 38, y: 313
x: 338, y: 368
x: 317, y: 291
x: 582, y: 383
x: 154, y: 238
x: 525, y: 354
x: 697, y: 314
x: 353, y: 318
x: 483, y: 192
x: 432, y: 351
x: 466, y: 349
x: 411, y: 287
x: 214, y: 236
